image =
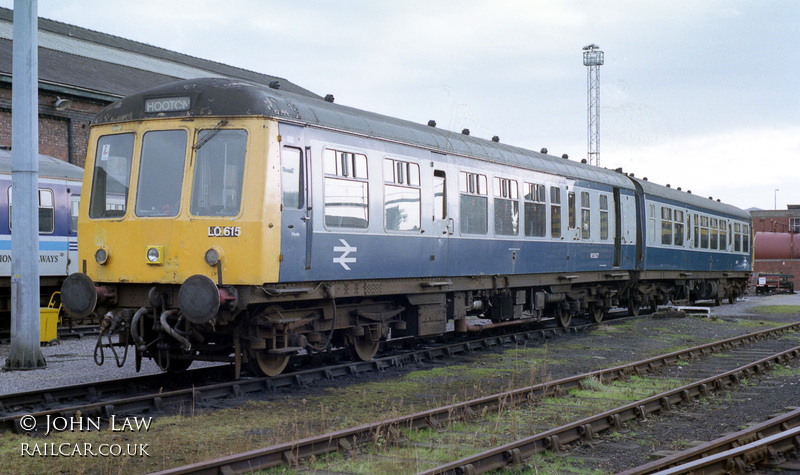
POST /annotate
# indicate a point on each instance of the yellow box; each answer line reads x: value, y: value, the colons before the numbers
x: 48, y: 324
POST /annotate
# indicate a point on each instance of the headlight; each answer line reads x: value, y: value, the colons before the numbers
x: 212, y: 256
x: 101, y: 256
x: 155, y: 254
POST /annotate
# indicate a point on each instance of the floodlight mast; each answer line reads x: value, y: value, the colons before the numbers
x: 593, y: 59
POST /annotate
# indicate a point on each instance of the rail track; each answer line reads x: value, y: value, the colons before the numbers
x: 292, y: 453
x: 153, y: 393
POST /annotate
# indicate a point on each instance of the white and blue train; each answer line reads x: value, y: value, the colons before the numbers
x: 59, y: 196
x: 231, y: 220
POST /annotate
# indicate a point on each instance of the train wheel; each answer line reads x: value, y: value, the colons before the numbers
x: 268, y: 364
x: 364, y: 347
x: 633, y: 309
x: 732, y: 298
x: 563, y: 318
x: 178, y: 365
x: 596, y: 313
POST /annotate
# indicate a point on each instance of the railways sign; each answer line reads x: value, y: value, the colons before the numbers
x: 167, y: 104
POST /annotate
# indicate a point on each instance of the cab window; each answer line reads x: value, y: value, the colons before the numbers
x: 111, y: 176
x: 218, y: 172
x: 161, y: 173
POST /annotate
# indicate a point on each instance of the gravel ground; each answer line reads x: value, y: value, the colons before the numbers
x: 72, y: 362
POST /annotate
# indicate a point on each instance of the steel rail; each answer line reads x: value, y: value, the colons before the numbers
x: 754, y: 433
x: 293, y: 451
x: 194, y: 392
x: 585, y: 429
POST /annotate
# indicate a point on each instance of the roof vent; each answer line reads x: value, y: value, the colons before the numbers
x: 679, y: 188
x: 630, y: 175
x: 618, y: 170
x: 543, y: 150
x: 644, y: 179
x: 275, y: 84
x: 583, y: 160
x: 329, y: 98
x: 669, y: 186
x: 565, y: 156
x: 495, y: 139
x: 711, y: 198
x: 689, y: 191
x: 431, y: 123
x: 718, y: 201
x: 465, y: 131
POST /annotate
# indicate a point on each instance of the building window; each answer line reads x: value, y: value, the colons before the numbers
x: 794, y: 225
x: 346, y: 190
x: 401, y: 208
x: 474, y: 203
x: 535, y: 210
x: 586, y: 215
x: 555, y: 212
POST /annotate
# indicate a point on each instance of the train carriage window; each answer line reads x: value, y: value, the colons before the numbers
x: 604, y: 217
x: 737, y: 237
x: 506, y: 207
x: 723, y: 235
x: 219, y: 172
x: 666, y: 225
x: 535, y: 210
x: 571, y: 210
x: 439, y: 195
x: 74, y: 205
x: 473, y: 203
x: 292, y: 189
x: 46, y: 211
x: 402, y: 195
x: 714, y: 234
x: 688, y: 227
x: 586, y: 216
x: 651, y: 229
x: 555, y: 212
x: 745, y: 238
x: 346, y: 190
x: 158, y: 192
x: 111, y: 176
x: 696, y: 231
x: 704, y: 232
x: 678, y: 228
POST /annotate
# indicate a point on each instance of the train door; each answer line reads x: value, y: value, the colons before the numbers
x: 443, y: 219
x: 617, y: 228
x: 296, y: 210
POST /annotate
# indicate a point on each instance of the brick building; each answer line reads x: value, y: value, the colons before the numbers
x: 776, y: 246
x: 81, y: 71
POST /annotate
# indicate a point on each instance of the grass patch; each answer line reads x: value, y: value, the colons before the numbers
x: 772, y: 309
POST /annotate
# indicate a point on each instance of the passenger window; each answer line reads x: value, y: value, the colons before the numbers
x: 666, y: 226
x: 678, y: 228
x: 714, y: 234
x: 111, y: 176
x: 572, y: 211
x: 535, y: 210
x: 704, y: 232
x: 745, y: 238
x: 292, y: 189
x: 439, y: 195
x: 506, y: 207
x: 651, y: 229
x: 723, y: 235
x: 218, y: 172
x: 74, y: 204
x: 346, y: 190
x: 158, y: 192
x: 46, y: 211
x: 586, y: 214
x: 737, y: 237
x: 604, y: 217
x: 555, y: 212
x: 474, y: 203
x: 401, y: 208
x: 696, y: 231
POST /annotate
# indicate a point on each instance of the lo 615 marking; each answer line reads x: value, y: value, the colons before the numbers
x: 224, y: 231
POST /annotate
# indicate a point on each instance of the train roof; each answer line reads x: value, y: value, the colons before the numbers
x: 227, y: 97
x: 689, y: 199
x: 49, y: 167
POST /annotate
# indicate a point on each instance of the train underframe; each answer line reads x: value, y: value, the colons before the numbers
x: 265, y: 326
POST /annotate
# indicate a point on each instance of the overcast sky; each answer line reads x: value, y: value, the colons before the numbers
x: 698, y: 94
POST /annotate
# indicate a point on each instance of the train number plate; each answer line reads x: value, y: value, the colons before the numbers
x: 224, y: 231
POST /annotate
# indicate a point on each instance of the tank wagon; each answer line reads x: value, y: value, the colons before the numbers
x: 59, y: 195
x: 230, y: 221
